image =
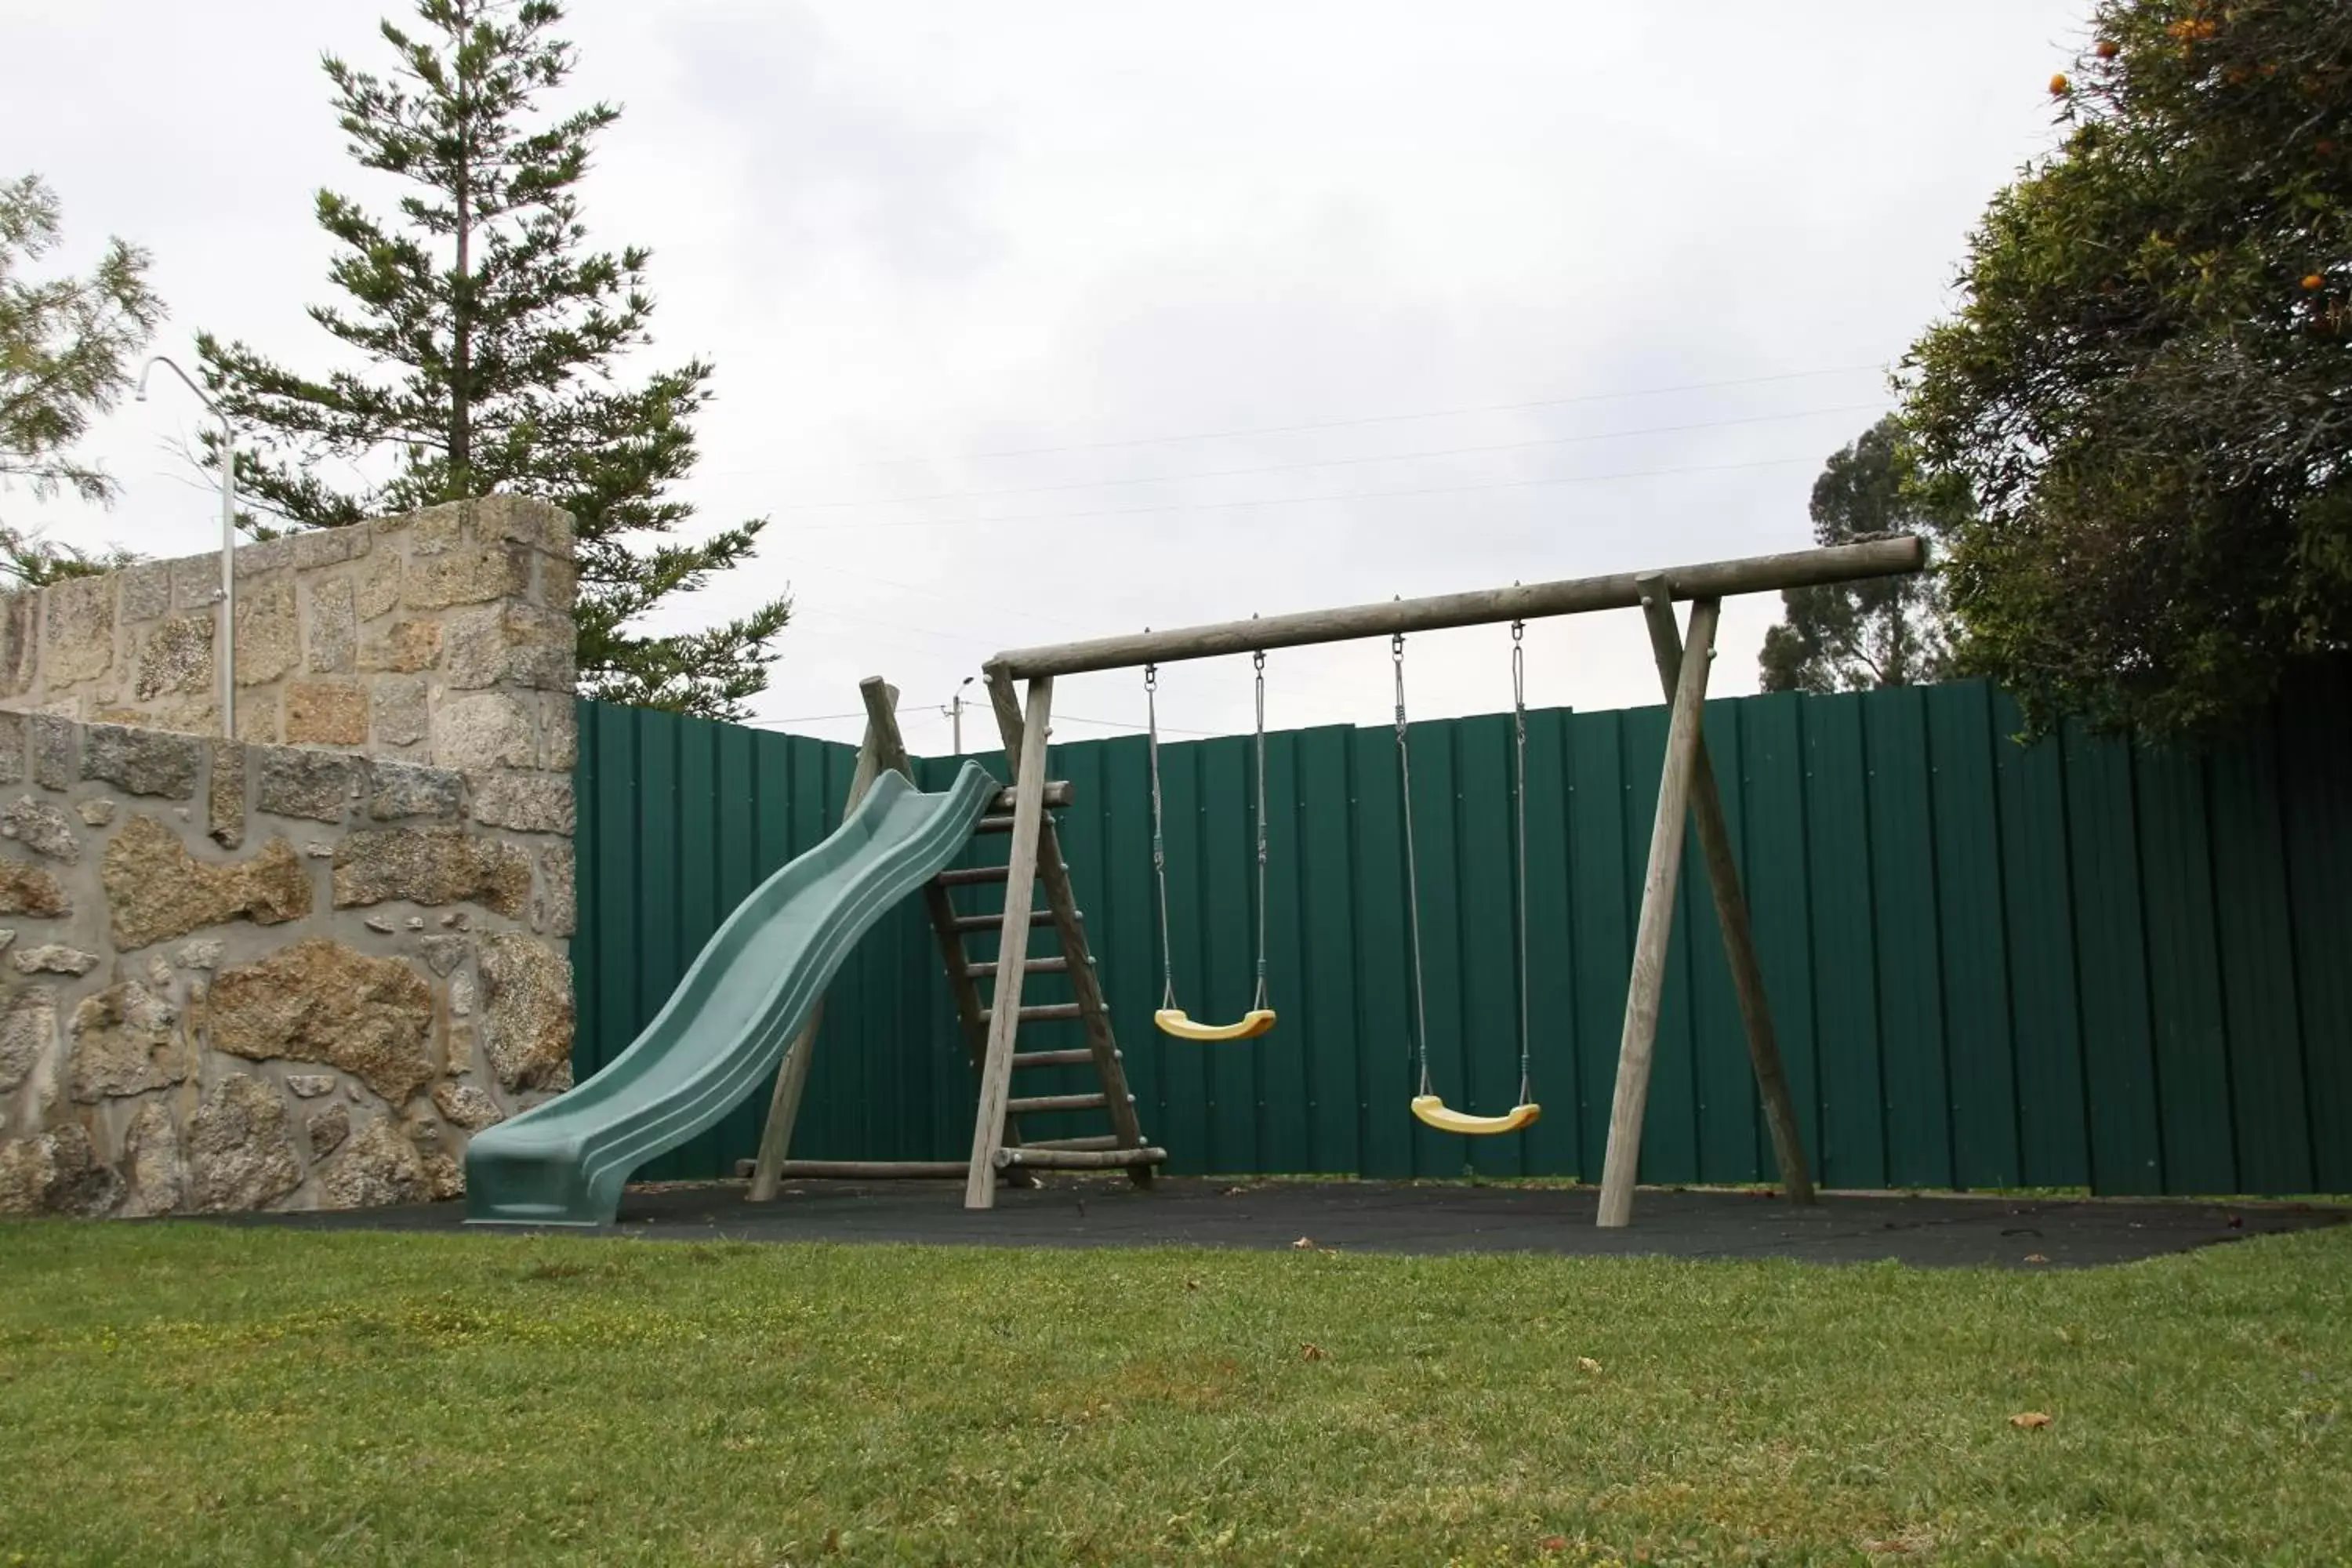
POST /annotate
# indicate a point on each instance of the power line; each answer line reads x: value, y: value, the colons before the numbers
x: 933, y: 708
x: 1301, y: 500
x: 1315, y: 425
x: 1338, y: 462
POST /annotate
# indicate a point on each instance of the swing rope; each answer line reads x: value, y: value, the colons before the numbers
x: 1172, y: 1019
x: 1426, y: 1104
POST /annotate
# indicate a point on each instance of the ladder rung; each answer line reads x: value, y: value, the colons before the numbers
x: 1078, y: 1057
x: 973, y: 876
x: 1036, y: 1159
x: 1039, y: 1103
x: 1042, y: 965
x: 996, y: 922
x: 998, y: 824
x: 1057, y: 792
x: 1043, y: 1013
x: 1098, y: 1140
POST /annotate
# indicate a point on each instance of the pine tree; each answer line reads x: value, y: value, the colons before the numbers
x: 491, y: 331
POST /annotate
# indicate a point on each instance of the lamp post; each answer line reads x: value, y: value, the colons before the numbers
x: 954, y: 710
x: 225, y: 637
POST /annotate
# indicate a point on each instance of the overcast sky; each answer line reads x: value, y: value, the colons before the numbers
x: 1275, y: 305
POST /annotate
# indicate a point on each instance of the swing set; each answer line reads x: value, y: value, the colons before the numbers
x: 992, y: 1023
x: 1687, y: 787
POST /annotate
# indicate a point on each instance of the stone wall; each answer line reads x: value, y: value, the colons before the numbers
x: 445, y: 636
x: 243, y: 975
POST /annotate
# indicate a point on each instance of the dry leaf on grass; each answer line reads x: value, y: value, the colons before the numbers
x: 1314, y: 1353
x: 1588, y: 1363
x: 1303, y: 1244
x: 2030, y: 1420
x: 2036, y: 1257
x: 1554, y: 1543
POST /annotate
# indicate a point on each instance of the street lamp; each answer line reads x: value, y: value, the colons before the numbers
x: 954, y: 710
x: 225, y: 637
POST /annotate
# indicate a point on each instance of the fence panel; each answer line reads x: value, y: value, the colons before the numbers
x: 2080, y: 962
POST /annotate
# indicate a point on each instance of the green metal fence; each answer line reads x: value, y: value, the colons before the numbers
x: 2076, y: 963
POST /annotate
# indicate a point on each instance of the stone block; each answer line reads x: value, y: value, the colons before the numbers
x: 53, y: 958
x: 141, y: 761
x: 334, y: 628
x: 317, y: 785
x: 377, y: 1167
x: 485, y: 730
x: 328, y: 1129
x: 269, y: 632
x: 56, y: 751
x: 377, y: 589
x: 438, y: 530
x: 469, y: 574
x: 560, y: 727
x: 466, y: 1105
x: 411, y: 789
x: 317, y: 547
x: 57, y: 1173
x: 430, y: 866
x: 177, y: 656
x: 399, y: 710
x: 402, y: 647
x: 96, y: 812
x: 528, y: 801
x: 155, y: 890
x: 42, y: 828
x: 240, y: 1148
x: 158, y: 1175
x: 195, y: 581
x: 126, y: 1041
x: 146, y: 591
x: 559, y: 583
x: 509, y: 644
x: 256, y: 716
x: 79, y: 644
x: 224, y: 795
x: 28, y: 1029
x: 27, y: 890
x: 524, y: 520
x: 444, y: 954
x: 319, y: 713
x: 526, y: 1011
x: 20, y: 640
x: 12, y: 748
x: 559, y: 913
x: 260, y: 559
x: 320, y: 1001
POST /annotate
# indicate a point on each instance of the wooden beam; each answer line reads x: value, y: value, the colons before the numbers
x: 1062, y: 901
x: 880, y: 751
x: 1655, y: 927
x: 1575, y: 595
x: 1731, y: 915
x: 1020, y: 890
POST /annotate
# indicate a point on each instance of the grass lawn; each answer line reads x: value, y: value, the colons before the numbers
x: 177, y: 1392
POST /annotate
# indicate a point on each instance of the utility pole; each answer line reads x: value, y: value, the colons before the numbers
x: 954, y: 710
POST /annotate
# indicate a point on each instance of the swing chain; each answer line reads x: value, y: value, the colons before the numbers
x: 1519, y: 802
x: 1412, y: 874
x: 1159, y: 840
x: 1257, y: 661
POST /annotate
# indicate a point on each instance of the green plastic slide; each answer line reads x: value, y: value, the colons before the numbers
x: 723, y: 1031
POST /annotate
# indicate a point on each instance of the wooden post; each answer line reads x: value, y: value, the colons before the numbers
x: 1656, y: 925
x: 1020, y: 893
x: 1731, y: 914
x: 879, y: 752
x: 1086, y: 985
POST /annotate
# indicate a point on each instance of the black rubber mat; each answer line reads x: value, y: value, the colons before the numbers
x: 1939, y: 1231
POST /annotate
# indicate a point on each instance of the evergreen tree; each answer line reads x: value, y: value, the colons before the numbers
x: 1885, y: 631
x: 491, y: 331
x: 66, y: 348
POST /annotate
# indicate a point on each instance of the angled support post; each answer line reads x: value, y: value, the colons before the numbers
x: 1655, y: 927
x: 880, y: 751
x: 1013, y: 945
x: 1731, y: 914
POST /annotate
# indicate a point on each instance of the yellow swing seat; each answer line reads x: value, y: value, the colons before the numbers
x: 1172, y: 1021
x: 1431, y: 1109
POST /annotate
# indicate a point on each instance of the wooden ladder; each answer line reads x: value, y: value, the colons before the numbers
x: 989, y: 1035
x: 1034, y: 860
